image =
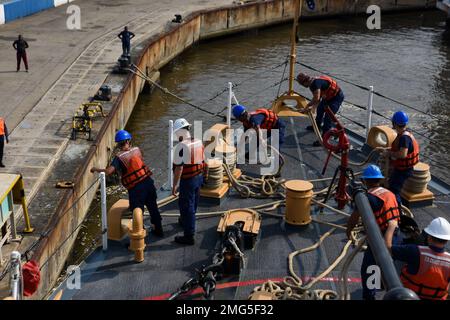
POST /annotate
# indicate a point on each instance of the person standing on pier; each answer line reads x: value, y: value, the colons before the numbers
x: 126, y: 37
x: 326, y: 93
x: 404, y: 154
x: 3, y: 138
x: 136, y: 178
x: 387, y: 214
x: 21, y: 54
x: 189, y: 166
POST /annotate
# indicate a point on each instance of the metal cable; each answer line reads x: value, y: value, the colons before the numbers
x: 70, y: 235
x: 45, y: 233
x: 5, y: 270
x: 367, y: 89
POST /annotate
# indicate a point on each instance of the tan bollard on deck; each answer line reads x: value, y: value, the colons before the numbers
x: 298, y: 202
x: 137, y: 235
x: 418, y: 182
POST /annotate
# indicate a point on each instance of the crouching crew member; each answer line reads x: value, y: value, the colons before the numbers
x: 260, y: 119
x: 404, y: 154
x: 427, y: 269
x: 387, y: 214
x: 136, y: 178
x: 189, y: 166
x: 326, y: 93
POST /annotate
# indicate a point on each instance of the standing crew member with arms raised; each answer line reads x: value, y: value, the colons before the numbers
x: 3, y: 138
x: 188, y: 167
x: 387, y: 214
x: 404, y: 154
x: 427, y: 269
x: 326, y: 93
x: 136, y: 178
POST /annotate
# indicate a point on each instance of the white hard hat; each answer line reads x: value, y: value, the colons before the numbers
x: 439, y: 228
x: 180, y: 124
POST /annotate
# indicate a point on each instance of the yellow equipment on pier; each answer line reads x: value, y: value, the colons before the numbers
x: 12, y: 192
x: 82, y: 120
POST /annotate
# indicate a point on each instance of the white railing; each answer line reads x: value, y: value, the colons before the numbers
x: 231, y: 97
x: 170, y: 156
x: 104, y: 211
x: 16, y: 281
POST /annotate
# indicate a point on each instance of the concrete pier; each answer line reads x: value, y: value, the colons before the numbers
x: 68, y: 66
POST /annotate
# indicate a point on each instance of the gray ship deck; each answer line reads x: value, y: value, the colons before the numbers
x: 114, y: 274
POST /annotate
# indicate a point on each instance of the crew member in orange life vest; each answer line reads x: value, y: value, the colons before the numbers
x: 427, y: 269
x: 3, y: 138
x: 136, y: 177
x: 188, y: 167
x: 387, y: 215
x: 326, y: 93
x: 260, y: 119
x: 404, y: 154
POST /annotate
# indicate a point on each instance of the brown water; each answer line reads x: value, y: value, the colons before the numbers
x: 408, y: 59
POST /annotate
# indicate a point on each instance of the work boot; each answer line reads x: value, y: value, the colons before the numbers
x: 187, y: 240
x: 158, y: 231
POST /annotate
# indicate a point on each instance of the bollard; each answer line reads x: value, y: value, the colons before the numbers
x: 418, y: 182
x: 298, y: 202
x: 137, y: 235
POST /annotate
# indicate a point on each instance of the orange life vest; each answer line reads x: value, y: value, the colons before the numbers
x: 2, y: 127
x: 136, y: 170
x: 432, y: 280
x: 389, y: 211
x: 412, y: 158
x: 332, y: 90
x: 196, y: 154
x: 270, y: 119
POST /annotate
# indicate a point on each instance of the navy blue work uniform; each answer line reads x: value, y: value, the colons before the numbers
x: 126, y: 36
x: 368, y: 259
x: 398, y: 177
x: 334, y: 104
x: 188, y: 202
x: 191, y: 181
x: 143, y: 194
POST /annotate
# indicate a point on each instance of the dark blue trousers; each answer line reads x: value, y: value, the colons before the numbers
x: 397, y: 180
x: 144, y: 194
x: 126, y: 48
x: 369, y: 260
x: 2, y: 145
x: 334, y: 105
x: 282, y: 130
x: 188, y: 202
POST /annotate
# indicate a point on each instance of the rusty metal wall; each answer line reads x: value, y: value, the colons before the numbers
x: 161, y: 49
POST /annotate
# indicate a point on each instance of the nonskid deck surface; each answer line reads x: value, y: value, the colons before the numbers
x: 114, y: 274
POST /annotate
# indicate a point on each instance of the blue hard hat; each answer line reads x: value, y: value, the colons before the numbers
x: 372, y: 172
x: 122, y: 135
x: 400, y: 118
x: 238, y: 110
